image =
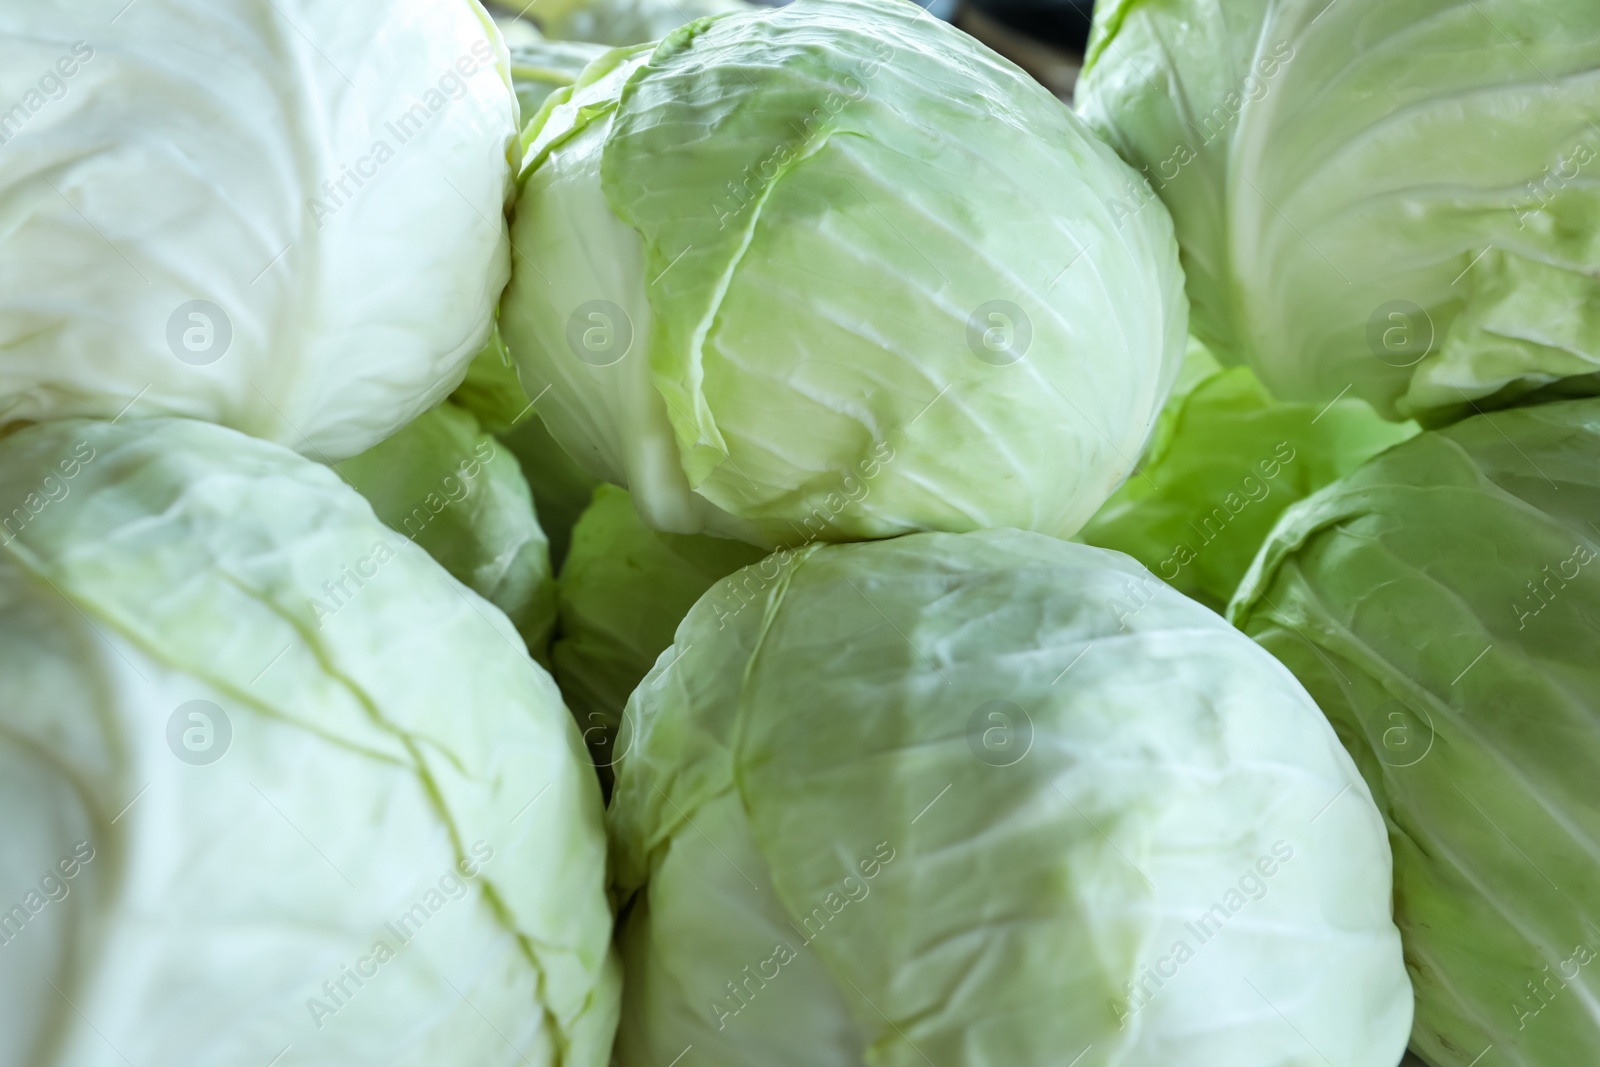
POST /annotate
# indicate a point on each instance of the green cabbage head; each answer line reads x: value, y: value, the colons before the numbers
x: 1397, y: 199
x: 836, y: 271
x: 1225, y: 461
x: 929, y: 800
x: 238, y: 824
x: 1443, y: 606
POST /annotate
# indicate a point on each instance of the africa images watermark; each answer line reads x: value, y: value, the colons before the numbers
x: 451, y: 886
x: 1544, y: 593
x: 1153, y: 977
x: 53, y: 888
x: 339, y: 191
x: 851, y: 890
x: 1543, y: 190
x: 53, y: 488
x: 1541, y: 994
x: 455, y: 488
x: 52, y: 86
x: 1139, y: 591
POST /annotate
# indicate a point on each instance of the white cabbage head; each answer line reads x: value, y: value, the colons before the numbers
x: 272, y: 780
x: 279, y: 215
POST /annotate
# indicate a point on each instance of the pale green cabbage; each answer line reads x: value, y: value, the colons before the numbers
x: 284, y: 216
x: 1443, y: 606
x: 770, y: 302
x: 624, y: 589
x: 220, y: 797
x: 929, y: 800
x: 456, y: 491
x: 1225, y: 461
x: 1399, y: 199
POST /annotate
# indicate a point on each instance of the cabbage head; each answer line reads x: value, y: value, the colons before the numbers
x: 623, y: 591
x: 930, y: 800
x: 269, y: 214
x: 769, y: 302
x: 238, y: 823
x: 1225, y: 461
x: 1443, y: 606
x: 1397, y: 199
x: 459, y: 493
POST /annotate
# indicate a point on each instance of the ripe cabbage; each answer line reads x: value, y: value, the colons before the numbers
x: 768, y: 302
x: 283, y: 216
x: 220, y: 800
x: 624, y: 589
x: 1443, y: 606
x: 1399, y: 199
x: 456, y: 491
x: 928, y: 800
x: 1225, y: 461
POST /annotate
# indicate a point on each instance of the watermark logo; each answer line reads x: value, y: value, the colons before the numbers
x: 605, y: 743
x: 1548, y: 584
x: 1407, y: 736
x: 1400, y: 333
x: 199, y: 733
x: 755, y: 179
x: 751, y: 981
x: 599, y: 333
x: 999, y: 333
x: 450, y: 85
x: 1208, y: 127
x: 1544, y: 987
x: 353, y: 577
x: 51, y: 86
x: 747, y: 585
x: 53, y: 488
x: 398, y: 933
x: 999, y: 733
x: 199, y: 332
x: 1543, y: 191
x: 54, y: 887
x: 1204, y: 928
x: 1211, y: 525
